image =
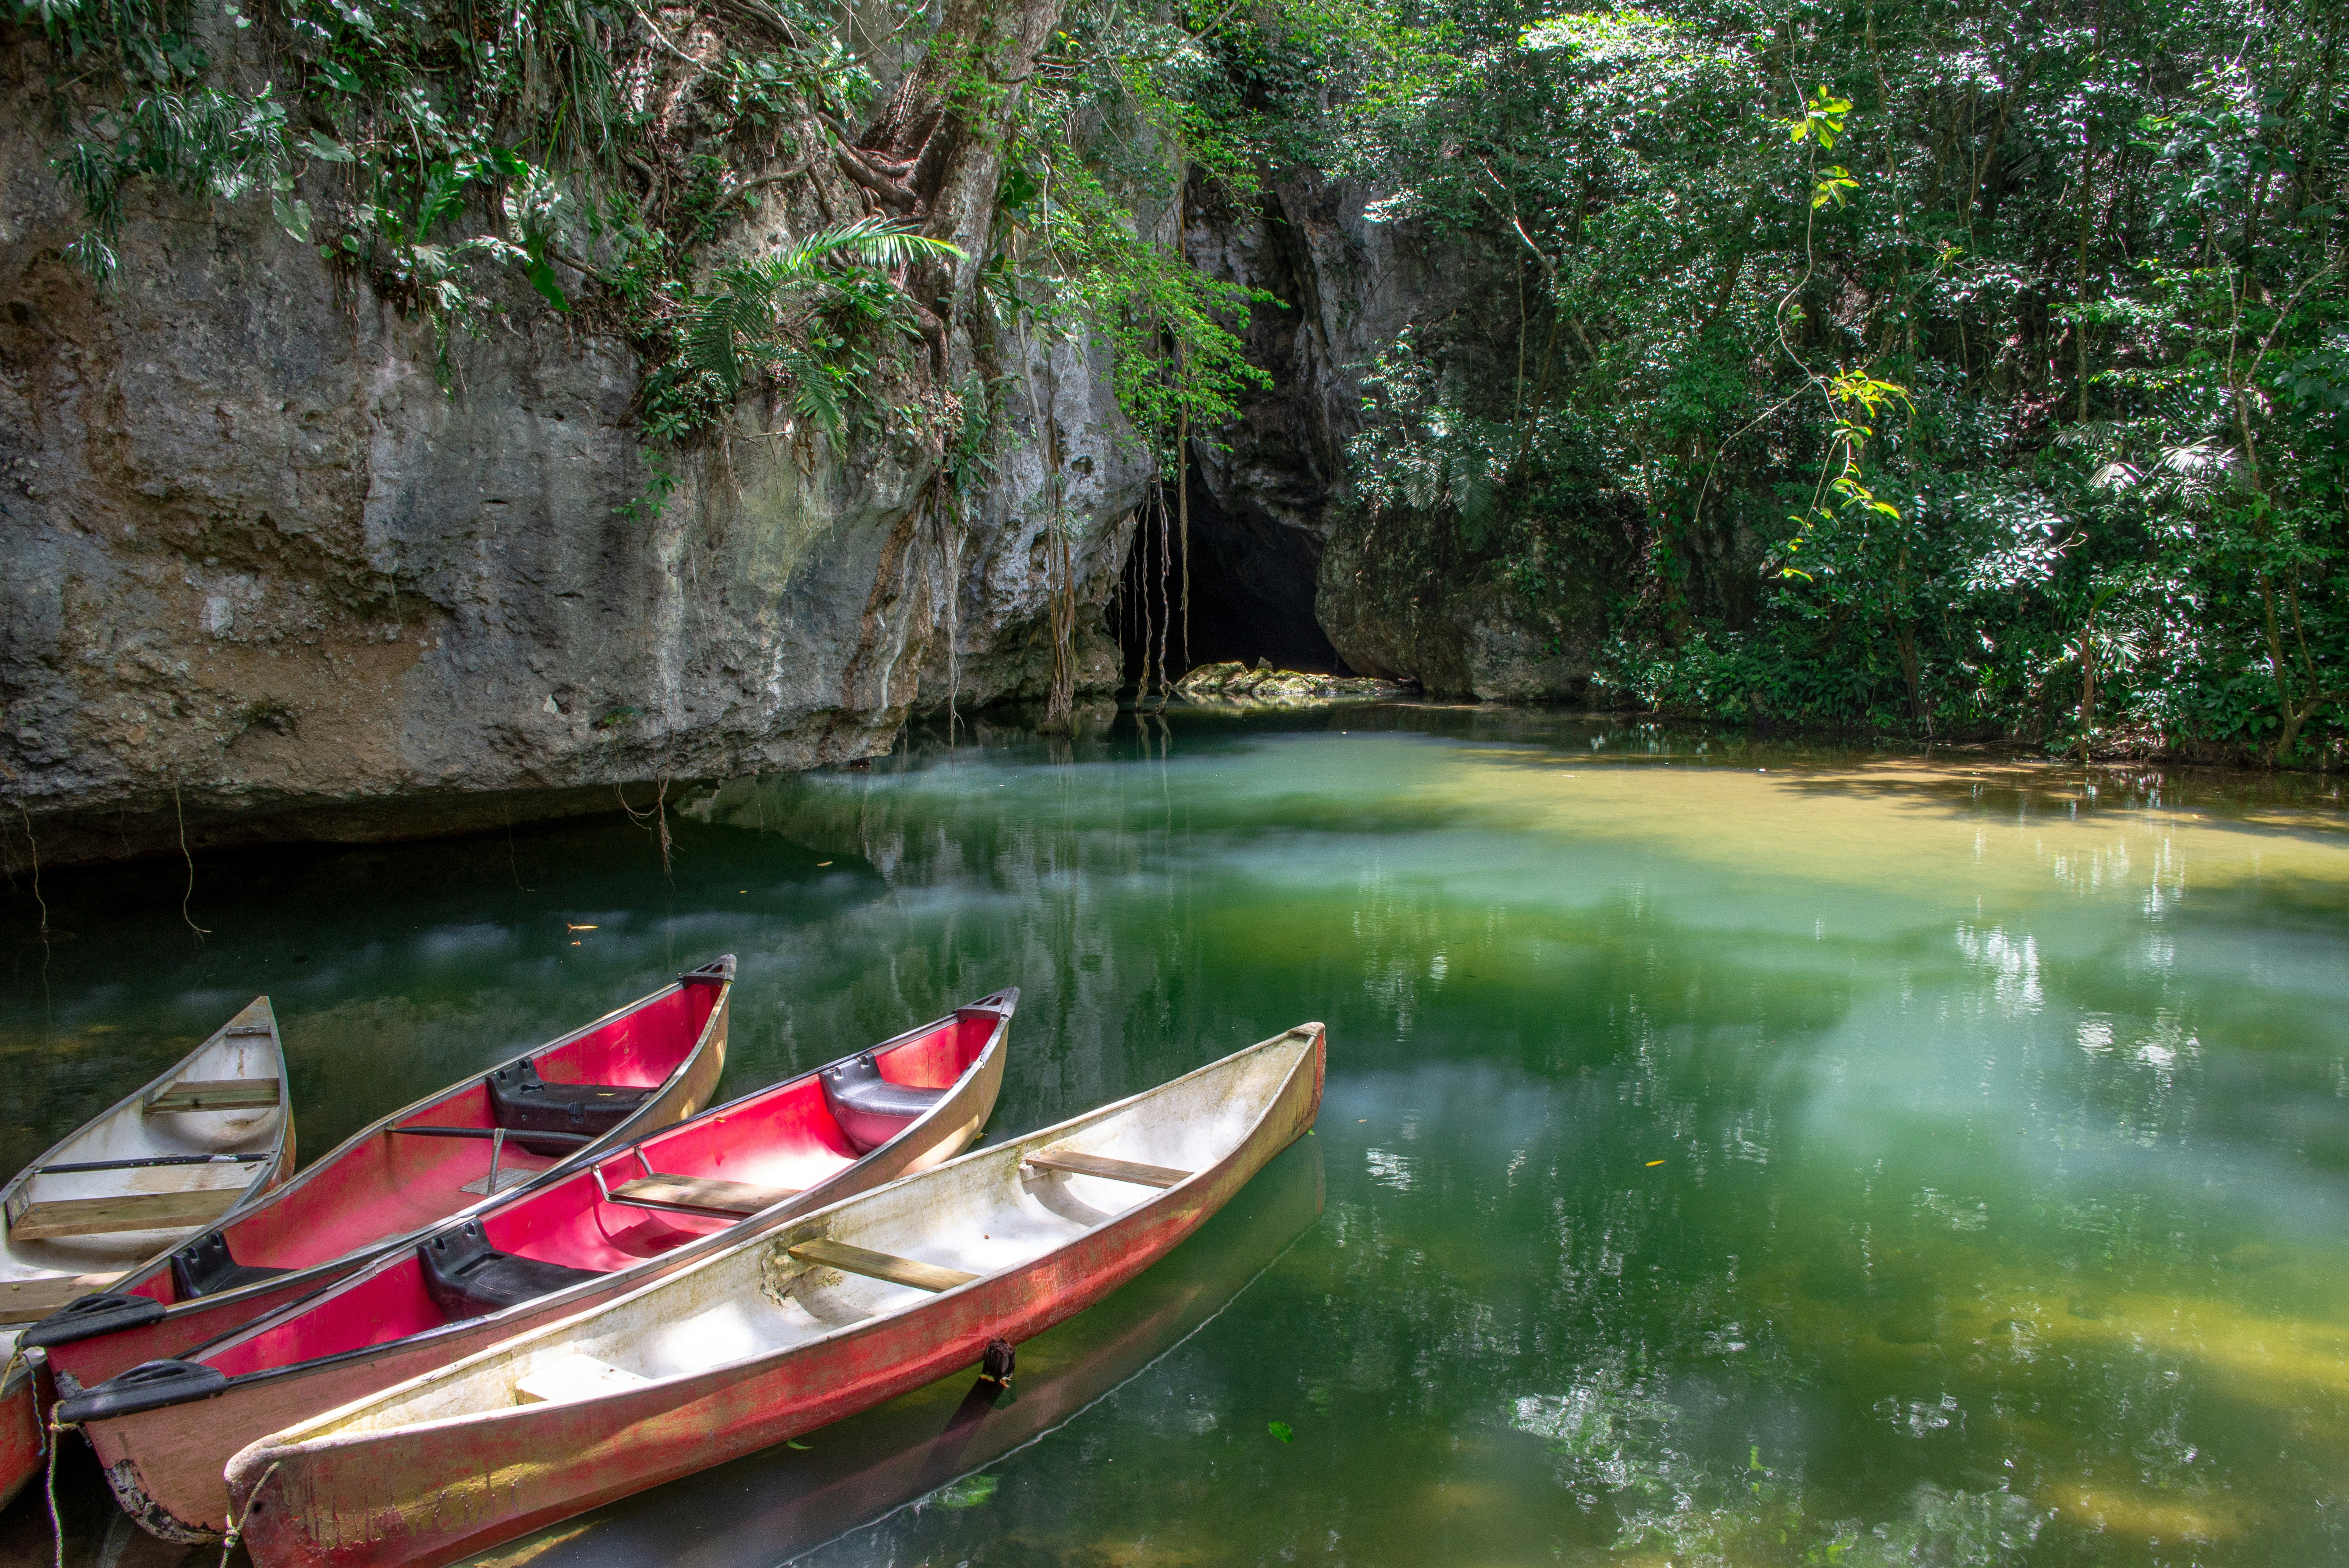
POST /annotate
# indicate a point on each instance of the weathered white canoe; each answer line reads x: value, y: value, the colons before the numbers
x: 132, y: 1184
x: 823, y: 1317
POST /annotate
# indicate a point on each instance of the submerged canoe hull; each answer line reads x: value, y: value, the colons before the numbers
x: 440, y: 1492
x: 166, y: 1464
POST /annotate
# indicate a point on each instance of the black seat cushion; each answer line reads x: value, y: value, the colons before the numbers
x: 870, y: 1108
x: 467, y: 1277
x: 206, y: 1267
x: 522, y: 1101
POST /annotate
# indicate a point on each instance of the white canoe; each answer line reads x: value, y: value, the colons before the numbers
x: 823, y: 1317
x: 132, y: 1184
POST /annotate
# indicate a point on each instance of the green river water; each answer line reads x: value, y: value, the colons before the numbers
x: 1731, y: 1154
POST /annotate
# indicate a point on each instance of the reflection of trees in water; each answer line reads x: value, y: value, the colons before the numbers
x: 1617, y: 1445
x: 1850, y: 1255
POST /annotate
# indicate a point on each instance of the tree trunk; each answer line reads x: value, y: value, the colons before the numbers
x: 936, y: 151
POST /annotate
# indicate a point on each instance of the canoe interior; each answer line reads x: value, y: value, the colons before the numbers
x: 779, y: 1138
x: 984, y: 1213
x: 385, y: 1184
x: 243, y: 1050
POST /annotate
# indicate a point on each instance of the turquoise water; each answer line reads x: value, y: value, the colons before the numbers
x: 1866, y: 1160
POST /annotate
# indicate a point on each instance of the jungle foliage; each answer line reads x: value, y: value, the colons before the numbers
x: 609, y: 153
x: 1973, y: 370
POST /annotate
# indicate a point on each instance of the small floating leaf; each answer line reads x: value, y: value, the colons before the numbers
x: 800, y: 1446
x: 968, y: 1492
x: 1280, y: 1430
x: 1655, y: 1162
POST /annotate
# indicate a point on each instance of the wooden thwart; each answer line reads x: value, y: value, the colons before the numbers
x: 573, y: 1377
x: 130, y: 1212
x: 31, y: 1300
x: 700, y: 1193
x: 217, y: 1094
x: 840, y: 1256
x: 1110, y: 1169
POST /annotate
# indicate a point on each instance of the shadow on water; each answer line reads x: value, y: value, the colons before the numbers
x: 410, y: 962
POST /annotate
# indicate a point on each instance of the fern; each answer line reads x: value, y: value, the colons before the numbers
x: 195, y: 142
x: 746, y: 308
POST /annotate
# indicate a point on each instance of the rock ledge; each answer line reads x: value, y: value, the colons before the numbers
x: 1235, y: 685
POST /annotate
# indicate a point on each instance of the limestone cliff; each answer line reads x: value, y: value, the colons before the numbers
x: 267, y: 574
x: 1410, y: 597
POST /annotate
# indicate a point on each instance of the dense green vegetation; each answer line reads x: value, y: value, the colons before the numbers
x: 1947, y: 369
x: 1956, y: 369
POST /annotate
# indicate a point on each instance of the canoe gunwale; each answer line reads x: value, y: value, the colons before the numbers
x: 1161, y: 1199
x: 967, y: 1085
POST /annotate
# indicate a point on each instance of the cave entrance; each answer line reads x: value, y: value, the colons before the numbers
x: 1252, y: 584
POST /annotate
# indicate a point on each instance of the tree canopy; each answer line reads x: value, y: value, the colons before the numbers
x: 1960, y: 369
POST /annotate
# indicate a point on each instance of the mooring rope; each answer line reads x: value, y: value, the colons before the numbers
x: 236, y: 1525
x: 57, y: 1531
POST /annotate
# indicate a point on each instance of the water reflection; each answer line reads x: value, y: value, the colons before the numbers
x: 1868, y: 1160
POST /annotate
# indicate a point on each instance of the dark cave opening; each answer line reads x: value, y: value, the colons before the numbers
x: 1252, y: 584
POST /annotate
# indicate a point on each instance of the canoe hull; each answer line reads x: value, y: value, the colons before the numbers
x: 166, y: 1465
x: 439, y: 1493
x: 773, y: 1506
x: 20, y: 1435
x: 84, y: 1363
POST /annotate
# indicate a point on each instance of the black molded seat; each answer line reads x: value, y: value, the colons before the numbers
x: 206, y: 1267
x: 522, y: 1101
x: 467, y: 1277
x: 870, y: 1108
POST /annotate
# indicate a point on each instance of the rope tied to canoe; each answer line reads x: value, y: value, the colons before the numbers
x: 235, y: 1524
x: 57, y: 1531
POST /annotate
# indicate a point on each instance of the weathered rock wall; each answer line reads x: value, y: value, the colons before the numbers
x: 1401, y: 598
x: 265, y: 574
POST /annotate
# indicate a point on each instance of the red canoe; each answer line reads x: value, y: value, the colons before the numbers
x: 164, y: 1430
x: 649, y: 1064
x: 827, y: 1316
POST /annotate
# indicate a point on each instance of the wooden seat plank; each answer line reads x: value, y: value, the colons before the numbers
x: 65, y: 1217
x: 855, y: 1260
x: 703, y: 1194
x: 1108, y: 1170
x: 216, y: 1094
x: 31, y: 1300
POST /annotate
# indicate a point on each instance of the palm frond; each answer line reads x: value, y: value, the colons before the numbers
x: 868, y: 242
x: 744, y: 308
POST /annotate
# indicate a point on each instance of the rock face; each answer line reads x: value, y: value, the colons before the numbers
x: 1516, y: 617
x: 1459, y: 621
x: 261, y: 562
x: 273, y: 570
